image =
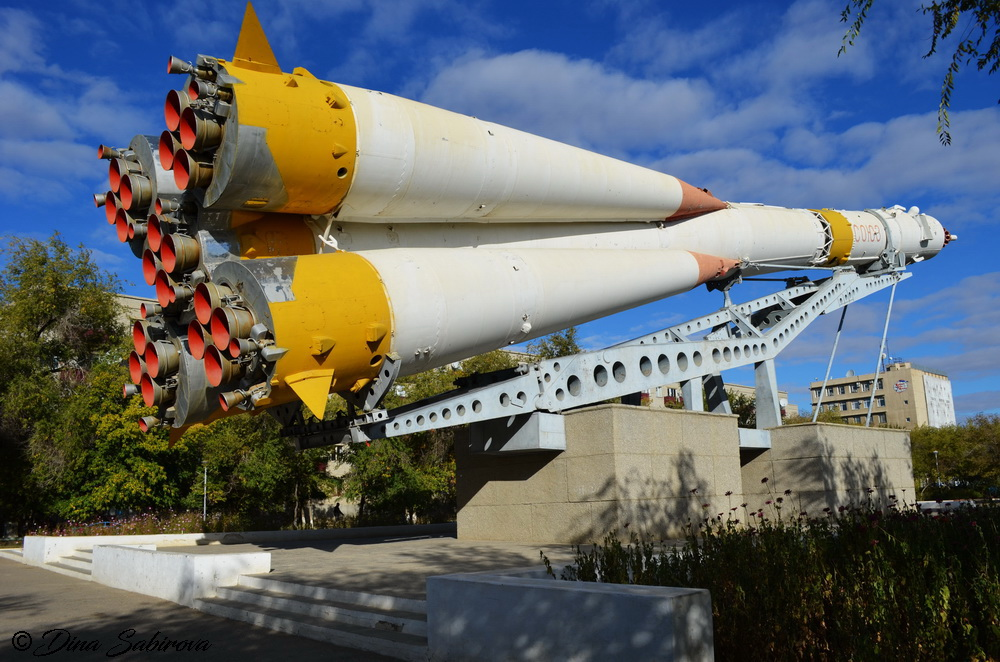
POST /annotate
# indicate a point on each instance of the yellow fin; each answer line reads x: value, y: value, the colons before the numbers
x: 252, y: 49
x: 313, y: 388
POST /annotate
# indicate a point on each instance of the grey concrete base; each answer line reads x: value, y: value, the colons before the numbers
x: 624, y: 468
x: 485, y: 617
x: 652, y: 472
x: 828, y: 465
x: 356, y: 620
x: 180, y: 578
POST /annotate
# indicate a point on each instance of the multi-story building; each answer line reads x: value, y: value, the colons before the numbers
x: 670, y: 395
x: 905, y: 395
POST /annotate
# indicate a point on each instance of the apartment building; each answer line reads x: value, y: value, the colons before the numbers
x: 905, y: 395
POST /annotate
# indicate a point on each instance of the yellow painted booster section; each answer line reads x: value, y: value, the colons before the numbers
x: 337, y: 330
x: 843, y: 237
x: 272, y: 235
x: 311, y: 134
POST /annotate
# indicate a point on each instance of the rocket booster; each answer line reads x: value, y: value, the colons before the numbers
x: 303, y: 235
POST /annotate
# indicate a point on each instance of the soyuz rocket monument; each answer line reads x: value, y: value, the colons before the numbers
x: 304, y: 237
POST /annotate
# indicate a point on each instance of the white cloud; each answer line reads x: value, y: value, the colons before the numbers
x: 659, y: 48
x: 19, y: 48
x: 974, y: 403
x: 801, y: 53
x: 539, y: 92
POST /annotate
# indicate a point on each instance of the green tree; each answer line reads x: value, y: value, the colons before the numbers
x: 413, y: 477
x: 745, y: 407
x: 561, y: 343
x: 967, y: 460
x: 825, y: 416
x: 91, y: 459
x: 976, y: 23
x: 256, y: 478
x: 58, y: 316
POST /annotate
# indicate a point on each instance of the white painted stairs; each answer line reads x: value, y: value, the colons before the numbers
x: 387, y: 625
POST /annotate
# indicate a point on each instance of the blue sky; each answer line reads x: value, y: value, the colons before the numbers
x: 748, y: 99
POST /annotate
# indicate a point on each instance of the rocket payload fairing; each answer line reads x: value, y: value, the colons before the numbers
x: 301, y: 234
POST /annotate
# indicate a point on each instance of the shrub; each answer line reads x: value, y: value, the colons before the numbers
x: 857, y: 584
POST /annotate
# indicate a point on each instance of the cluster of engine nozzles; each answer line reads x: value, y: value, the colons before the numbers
x: 194, y: 128
x: 221, y: 334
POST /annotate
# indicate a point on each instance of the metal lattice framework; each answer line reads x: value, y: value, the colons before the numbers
x: 691, y: 353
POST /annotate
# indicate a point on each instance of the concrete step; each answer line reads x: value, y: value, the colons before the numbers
x: 13, y: 553
x: 371, y: 600
x: 69, y: 570
x: 384, y: 642
x: 341, y: 612
x: 80, y: 560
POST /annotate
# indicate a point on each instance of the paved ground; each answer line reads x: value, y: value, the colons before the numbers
x: 34, y: 600
x: 390, y: 566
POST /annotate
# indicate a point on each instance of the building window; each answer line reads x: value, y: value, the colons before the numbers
x: 817, y: 392
x: 880, y: 401
x: 843, y: 406
x: 880, y: 418
x: 879, y: 387
x: 907, y: 419
x: 906, y: 402
x: 855, y: 388
x: 829, y: 390
x: 842, y: 390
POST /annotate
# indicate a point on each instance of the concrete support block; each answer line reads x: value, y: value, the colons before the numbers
x: 651, y: 469
x: 180, y: 578
x: 830, y: 465
x: 658, y: 469
x: 524, y: 433
x: 487, y: 617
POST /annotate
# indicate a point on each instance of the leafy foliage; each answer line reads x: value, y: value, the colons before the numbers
x: 92, y: 459
x: 562, y: 343
x: 412, y: 478
x: 973, y: 21
x: 967, y: 462
x: 58, y: 318
x: 745, y: 407
x: 256, y: 479
x: 865, y: 583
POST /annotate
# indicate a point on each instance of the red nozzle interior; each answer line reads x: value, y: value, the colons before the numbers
x: 203, y: 303
x: 182, y: 169
x: 196, y: 340
x: 172, y: 108
x: 114, y: 175
x: 215, y: 366
x: 154, y: 233
x: 164, y: 288
x: 121, y: 225
x: 139, y: 338
x: 149, y: 266
x: 136, y: 367
x: 148, y: 390
x: 166, y: 150
x: 110, y: 207
x: 168, y: 256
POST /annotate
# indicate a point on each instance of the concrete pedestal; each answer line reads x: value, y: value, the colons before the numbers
x: 827, y: 465
x: 652, y: 471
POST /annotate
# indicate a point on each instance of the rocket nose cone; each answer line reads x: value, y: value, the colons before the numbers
x: 695, y: 201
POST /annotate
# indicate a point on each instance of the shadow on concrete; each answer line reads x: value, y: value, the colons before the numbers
x: 85, y: 615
